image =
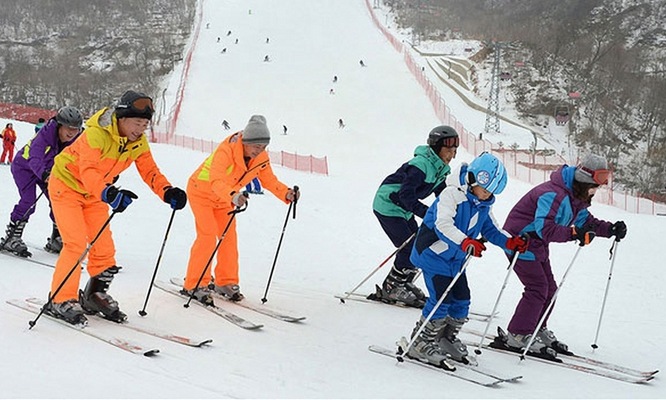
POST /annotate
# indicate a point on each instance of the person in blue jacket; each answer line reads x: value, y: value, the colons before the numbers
x: 31, y: 169
x: 453, y: 228
x: 39, y: 124
x: 397, y: 203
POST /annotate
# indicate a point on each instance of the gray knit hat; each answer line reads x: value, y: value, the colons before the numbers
x: 590, y: 163
x: 256, y: 131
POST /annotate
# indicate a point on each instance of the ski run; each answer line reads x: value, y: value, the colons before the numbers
x: 247, y: 305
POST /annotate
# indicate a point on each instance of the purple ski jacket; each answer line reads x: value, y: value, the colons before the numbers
x: 547, y: 213
x: 36, y: 157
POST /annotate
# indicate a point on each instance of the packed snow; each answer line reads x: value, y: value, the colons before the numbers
x: 331, y: 245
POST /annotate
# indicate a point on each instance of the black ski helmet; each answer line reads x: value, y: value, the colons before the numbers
x: 69, y: 116
x: 443, y: 136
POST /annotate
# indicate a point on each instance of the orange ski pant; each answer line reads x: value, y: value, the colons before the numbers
x: 79, y: 219
x: 210, y: 221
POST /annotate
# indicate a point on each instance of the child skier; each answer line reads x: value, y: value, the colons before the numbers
x: 451, y: 229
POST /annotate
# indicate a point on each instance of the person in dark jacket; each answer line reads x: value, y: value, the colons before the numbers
x: 31, y: 169
x: 554, y: 211
x: 397, y: 203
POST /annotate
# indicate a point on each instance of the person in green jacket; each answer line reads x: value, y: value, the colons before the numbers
x: 397, y: 203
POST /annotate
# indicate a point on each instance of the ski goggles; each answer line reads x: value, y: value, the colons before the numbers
x: 140, y: 105
x: 599, y: 176
x: 446, y: 142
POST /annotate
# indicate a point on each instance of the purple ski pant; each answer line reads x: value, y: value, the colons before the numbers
x: 539, y: 287
x: 27, y: 183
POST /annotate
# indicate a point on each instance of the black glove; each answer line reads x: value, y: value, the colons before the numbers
x: 619, y: 230
x: 118, y: 199
x: 175, y: 197
x: 584, y: 235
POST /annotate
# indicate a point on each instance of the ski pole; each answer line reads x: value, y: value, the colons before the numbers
x: 439, y: 303
x: 492, y: 314
x: 550, y: 305
x: 71, y: 271
x: 284, y: 227
x: 143, y: 312
x: 613, y: 251
x: 351, y: 292
x: 217, y: 246
x: 34, y: 203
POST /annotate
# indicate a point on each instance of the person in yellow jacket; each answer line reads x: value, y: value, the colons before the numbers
x: 81, y: 190
x: 214, y: 191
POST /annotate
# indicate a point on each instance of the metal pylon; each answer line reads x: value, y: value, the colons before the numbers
x: 492, y: 113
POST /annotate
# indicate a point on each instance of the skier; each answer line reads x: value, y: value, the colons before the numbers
x: 81, y: 183
x: 8, y: 143
x: 254, y: 187
x: 449, y: 231
x: 362, y: 63
x: 284, y: 129
x: 215, y: 189
x: 32, y: 168
x: 39, y: 124
x: 266, y: 58
x: 554, y: 211
x: 397, y: 203
x: 335, y: 78
x: 225, y: 125
x: 341, y: 123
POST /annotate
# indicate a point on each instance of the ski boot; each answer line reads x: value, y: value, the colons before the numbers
x: 54, y: 243
x: 230, y: 292
x: 69, y: 311
x: 426, y: 347
x: 399, y: 289
x: 95, y: 300
x: 449, y: 342
x: 517, y: 342
x: 548, y: 338
x: 12, y: 241
x: 200, y: 294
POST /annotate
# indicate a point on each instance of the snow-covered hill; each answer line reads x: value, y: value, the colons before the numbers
x: 332, y: 245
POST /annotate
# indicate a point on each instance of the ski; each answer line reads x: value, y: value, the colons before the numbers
x: 585, y: 360
x: 90, y: 330
x: 217, y: 310
x: 28, y: 259
x: 148, y: 331
x: 259, y: 309
x: 470, y: 375
x: 569, y: 365
x: 364, y: 299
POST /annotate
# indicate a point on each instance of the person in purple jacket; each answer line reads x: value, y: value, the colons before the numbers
x: 554, y: 211
x: 31, y: 168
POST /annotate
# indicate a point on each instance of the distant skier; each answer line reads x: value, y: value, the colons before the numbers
x: 8, y: 143
x: 224, y: 50
x: 266, y: 58
x: 284, y: 129
x: 267, y: 40
x: 331, y: 91
x: 39, y: 124
x: 341, y: 123
x: 335, y: 79
x: 229, y: 33
x: 362, y: 63
x: 225, y: 125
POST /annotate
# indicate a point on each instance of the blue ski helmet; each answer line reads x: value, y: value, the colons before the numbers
x: 488, y: 172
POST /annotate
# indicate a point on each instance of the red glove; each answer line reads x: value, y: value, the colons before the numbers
x: 517, y: 243
x: 476, y: 246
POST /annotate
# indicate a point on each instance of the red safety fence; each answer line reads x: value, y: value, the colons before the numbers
x: 19, y: 112
x: 285, y: 159
x: 520, y: 164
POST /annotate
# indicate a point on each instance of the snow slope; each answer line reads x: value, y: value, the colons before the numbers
x: 333, y: 243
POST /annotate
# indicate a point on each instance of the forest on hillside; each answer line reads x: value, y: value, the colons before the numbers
x: 87, y: 53
x: 612, y: 52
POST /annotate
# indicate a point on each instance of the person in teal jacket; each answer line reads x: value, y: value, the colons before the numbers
x: 398, y: 201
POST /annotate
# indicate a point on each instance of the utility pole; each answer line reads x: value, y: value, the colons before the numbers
x: 492, y: 113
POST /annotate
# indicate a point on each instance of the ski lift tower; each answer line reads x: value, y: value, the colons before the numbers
x: 492, y: 113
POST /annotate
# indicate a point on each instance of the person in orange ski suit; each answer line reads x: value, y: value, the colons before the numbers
x: 8, y: 143
x: 81, y: 189
x: 214, y: 191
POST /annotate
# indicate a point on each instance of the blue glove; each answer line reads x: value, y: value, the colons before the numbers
x: 118, y: 199
x: 175, y: 197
